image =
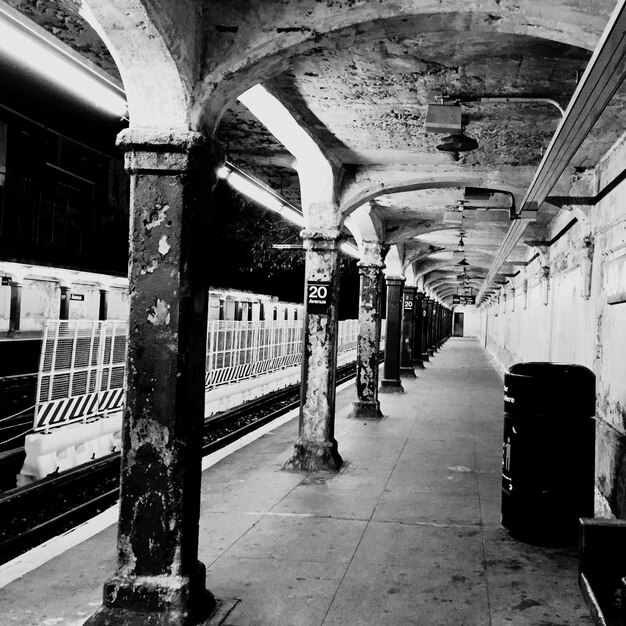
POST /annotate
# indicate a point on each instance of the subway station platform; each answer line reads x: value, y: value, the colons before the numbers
x: 407, y: 533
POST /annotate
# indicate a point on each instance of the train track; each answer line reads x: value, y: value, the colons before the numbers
x: 37, y: 512
x: 17, y: 399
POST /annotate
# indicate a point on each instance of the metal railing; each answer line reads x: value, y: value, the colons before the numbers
x: 348, y: 336
x: 240, y: 350
x: 82, y: 367
x: 81, y: 371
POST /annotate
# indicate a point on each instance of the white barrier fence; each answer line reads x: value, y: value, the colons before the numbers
x: 82, y: 367
x: 240, y: 350
x: 81, y: 380
x: 81, y: 372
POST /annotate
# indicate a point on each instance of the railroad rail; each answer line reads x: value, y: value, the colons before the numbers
x: 39, y: 511
x: 81, y: 377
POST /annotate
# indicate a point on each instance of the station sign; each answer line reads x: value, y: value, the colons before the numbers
x: 459, y: 299
x: 6, y: 281
x: 615, y: 277
x: 79, y: 297
x: 318, y: 297
x: 408, y: 304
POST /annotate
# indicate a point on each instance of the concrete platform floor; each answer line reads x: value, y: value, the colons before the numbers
x: 407, y: 533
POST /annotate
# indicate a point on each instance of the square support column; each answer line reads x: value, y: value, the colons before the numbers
x: 408, y: 321
x: 438, y: 336
x: 64, y: 307
x: 316, y: 448
x: 159, y: 580
x: 103, y: 307
x: 367, y: 404
x: 430, y: 326
x: 425, y: 353
x: 418, y: 317
x: 391, y: 369
x: 15, y: 312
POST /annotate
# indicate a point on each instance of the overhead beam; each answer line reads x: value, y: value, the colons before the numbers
x: 602, y: 78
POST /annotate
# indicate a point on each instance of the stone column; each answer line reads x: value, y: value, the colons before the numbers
x: 418, y: 318
x: 408, y: 321
x: 425, y: 354
x: 159, y: 579
x: 15, y: 311
x: 391, y: 369
x: 103, y: 309
x: 64, y: 309
x: 442, y: 317
x: 438, y: 325
x: 371, y: 266
x: 316, y: 448
x: 430, y: 333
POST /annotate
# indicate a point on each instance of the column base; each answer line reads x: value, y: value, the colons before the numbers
x: 365, y: 410
x: 155, y: 601
x: 391, y: 386
x: 425, y: 357
x: 13, y: 333
x: 431, y: 352
x: 418, y: 364
x: 407, y: 372
x: 310, y: 456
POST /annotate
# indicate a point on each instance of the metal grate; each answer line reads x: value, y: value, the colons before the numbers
x: 83, y: 363
x: 81, y: 371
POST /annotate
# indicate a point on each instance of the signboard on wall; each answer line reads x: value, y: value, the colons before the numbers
x: 6, y: 281
x: 318, y: 297
x: 615, y: 277
x: 79, y: 297
x: 459, y: 299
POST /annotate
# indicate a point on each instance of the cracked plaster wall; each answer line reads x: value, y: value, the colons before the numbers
x: 572, y: 329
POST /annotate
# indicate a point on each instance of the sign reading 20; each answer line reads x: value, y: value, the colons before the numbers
x: 318, y: 297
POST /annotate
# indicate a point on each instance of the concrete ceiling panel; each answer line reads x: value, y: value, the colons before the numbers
x: 358, y: 78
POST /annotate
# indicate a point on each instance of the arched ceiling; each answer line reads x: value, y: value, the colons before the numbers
x: 359, y: 76
x: 363, y: 93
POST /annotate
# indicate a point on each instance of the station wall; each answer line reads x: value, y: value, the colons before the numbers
x: 575, y: 312
x: 471, y: 320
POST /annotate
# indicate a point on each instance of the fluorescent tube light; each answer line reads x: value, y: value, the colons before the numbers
x: 255, y: 190
x: 27, y: 47
x: 349, y: 249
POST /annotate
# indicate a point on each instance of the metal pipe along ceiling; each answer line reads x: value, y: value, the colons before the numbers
x: 603, y: 76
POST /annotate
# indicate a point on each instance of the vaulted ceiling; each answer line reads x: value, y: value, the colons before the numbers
x: 362, y: 92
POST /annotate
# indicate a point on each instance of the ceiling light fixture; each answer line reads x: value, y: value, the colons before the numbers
x: 457, y: 143
x: 263, y: 195
x: 257, y: 191
x: 27, y: 45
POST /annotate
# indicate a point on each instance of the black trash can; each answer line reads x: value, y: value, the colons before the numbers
x: 548, y: 459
